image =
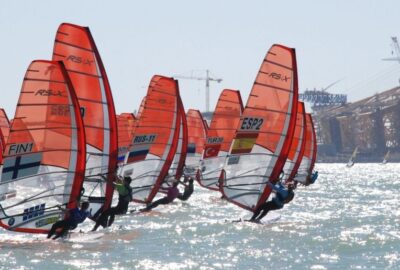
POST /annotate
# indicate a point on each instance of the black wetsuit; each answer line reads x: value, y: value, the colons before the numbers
x: 106, y: 218
x: 282, y: 197
x: 76, y: 216
x: 172, y: 194
x: 187, y: 192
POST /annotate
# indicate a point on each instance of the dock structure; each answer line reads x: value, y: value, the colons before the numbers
x: 371, y: 124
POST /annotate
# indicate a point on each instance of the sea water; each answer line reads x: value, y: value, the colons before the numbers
x: 349, y: 219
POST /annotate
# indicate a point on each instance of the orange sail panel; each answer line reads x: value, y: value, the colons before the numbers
x: 2, y: 145
x: 206, y: 127
x: 126, y: 124
x: 262, y: 141
x: 4, y: 131
x: 4, y: 126
x: 44, y: 162
x: 297, y: 147
x: 155, y: 140
x: 223, y: 127
x: 196, y: 140
x: 75, y: 46
x: 306, y: 163
x: 178, y: 163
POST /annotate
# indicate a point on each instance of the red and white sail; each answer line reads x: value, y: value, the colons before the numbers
x: 4, y: 126
x: 155, y: 139
x: 297, y: 147
x: 178, y: 163
x: 310, y: 151
x: 196, y: 139
x: 126, y: 125
x: 4, y: 131
x: 262, y: 141
x: 74, y: 45
x: 222, y: 130
x: 44, y: 158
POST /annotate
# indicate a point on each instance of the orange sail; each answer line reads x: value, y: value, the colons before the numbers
x: 297, y: 147
x: 155, y: 139
x: 4, y: 127
x: 2, y: 145
x: 262, y: 141
x: 314, y: 144
x: 126, y: 125
x: 196, y: 140
x: 307, y: 163
x: 178, y: 163
x: 75, y: 46
x: 223, y: 127
x: 206, y: 125
x: 44, y: 160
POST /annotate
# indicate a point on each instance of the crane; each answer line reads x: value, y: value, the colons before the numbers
x: 208, y: 79
x: 395, y: 51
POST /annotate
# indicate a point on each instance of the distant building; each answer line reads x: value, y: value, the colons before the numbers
x: 371, y: 124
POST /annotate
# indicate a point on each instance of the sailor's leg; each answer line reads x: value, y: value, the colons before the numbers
x: 269, y: 206
x: 181, y: 197
x: 64, y: 225
x: 258, y: 211
x: 163, y: 200
x: 113, y: 212
x: 102, y: 220
x: 55, y: 226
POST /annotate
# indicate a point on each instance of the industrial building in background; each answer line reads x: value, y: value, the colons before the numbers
x: 371, y: 125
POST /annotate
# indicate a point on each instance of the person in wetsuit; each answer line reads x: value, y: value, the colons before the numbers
x: 172, y: 194
x: 283, y: 196
x: 124, y: 190
x: 75, y: 217
x: 188, y: 183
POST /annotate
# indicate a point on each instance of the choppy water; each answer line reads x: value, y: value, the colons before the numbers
x: 348, y: 220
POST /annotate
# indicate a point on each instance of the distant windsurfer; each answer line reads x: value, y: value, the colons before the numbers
x: 172, y: 194
x: 75, y: 216
x: 283, y: 196
x: 188, y: 183
x: 124, y: 190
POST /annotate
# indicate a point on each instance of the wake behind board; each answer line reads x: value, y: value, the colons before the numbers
x: 81, y: 237
x: 269, y: 219
x: 144, y: 213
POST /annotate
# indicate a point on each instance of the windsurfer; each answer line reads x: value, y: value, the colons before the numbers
x: 283, y: 196
x: 188, y: 183
x: 172, y: 194
x: 124, y: 190
x: 75, y: 217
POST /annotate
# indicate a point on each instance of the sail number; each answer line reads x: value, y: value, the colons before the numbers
x: 215, y: 140
x: 34, y: 211
x: 20, y: 148
x: 144, y: 139
x: 251, y: 123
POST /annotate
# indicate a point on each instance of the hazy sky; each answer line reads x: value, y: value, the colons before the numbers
x: 334, y: 40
